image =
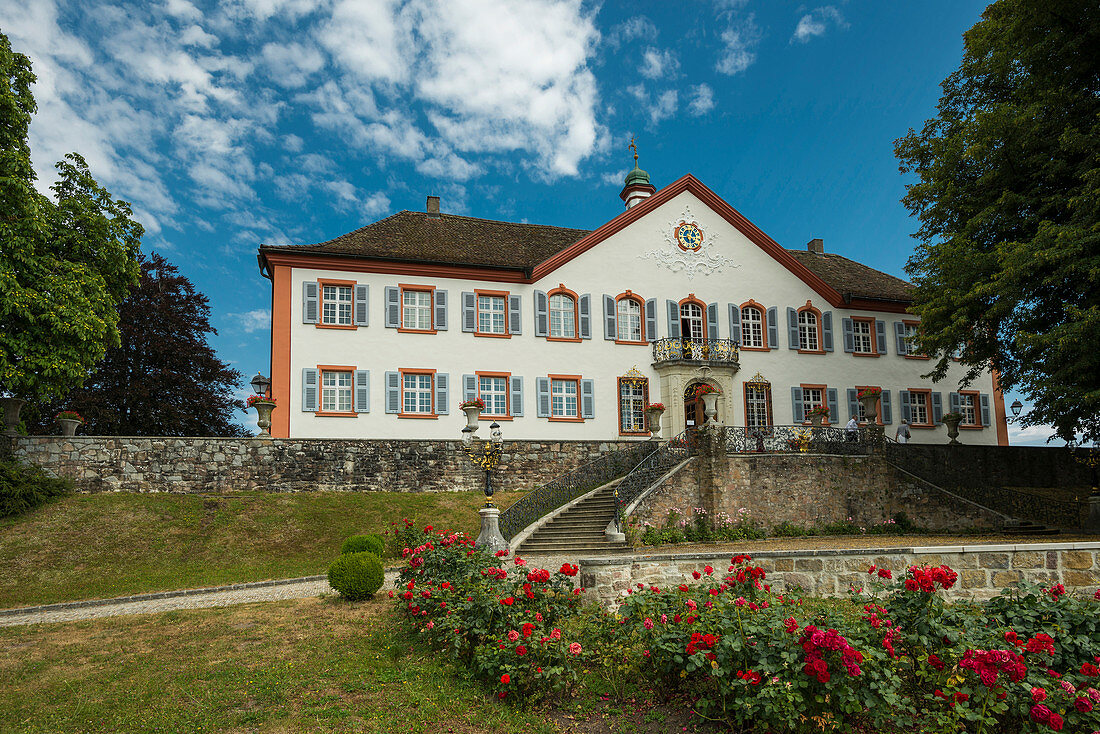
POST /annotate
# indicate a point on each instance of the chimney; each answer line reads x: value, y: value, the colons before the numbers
x: 433, y: 207
x: 816, y: 245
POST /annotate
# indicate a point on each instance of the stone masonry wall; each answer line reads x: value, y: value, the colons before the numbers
x: 201, y: 465
x: 983, y: 570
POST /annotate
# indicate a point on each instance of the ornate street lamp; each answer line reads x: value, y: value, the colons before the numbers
x: 486, y: 454
x: 260, y: 384
x: 262, y: 403
x: 1016, y: 407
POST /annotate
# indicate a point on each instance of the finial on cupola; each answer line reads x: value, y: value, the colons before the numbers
x: 637, y: 182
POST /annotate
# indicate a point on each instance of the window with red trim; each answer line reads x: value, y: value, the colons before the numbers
x: 416, y: 309
x: 417, y: 393
x: 863, y: 336
x: 920, y: 407
x: 630, y: 319
x: 492, y: 313
x: 492, y: 388
x: 563, y: 315
x: 969, y: 408
x: 809, y: 329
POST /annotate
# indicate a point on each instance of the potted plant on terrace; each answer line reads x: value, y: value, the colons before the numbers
x: 817, y: 414
x: 952, y: 420
x: 69, y: 420
x: 709, y: 395
x: 263, y: 405
x: 653, y: 413
x: 472, y: 409
x: 869, y: 398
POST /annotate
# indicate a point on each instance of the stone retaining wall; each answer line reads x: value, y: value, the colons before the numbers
x: 200, y: 465
x: 984, y: 570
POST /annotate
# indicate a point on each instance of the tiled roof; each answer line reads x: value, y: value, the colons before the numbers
x: 448, y: 240
x: 850, y: 277
x: 454, y: 240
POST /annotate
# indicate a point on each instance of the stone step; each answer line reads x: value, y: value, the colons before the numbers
x: 562, y: 537
x: 550, y: 546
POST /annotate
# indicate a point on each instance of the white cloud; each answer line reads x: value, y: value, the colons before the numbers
x: 374, y: 205
x: 637, y: 27
x: 658, y: 64
x: 815, y: 23
x: 702, y: 100
x: 1032, y: 435
x: 193, y: 35
x: 739, y: 44
x: 252, y: 321
x: 612, y: 178
x: 664, y: 107
x: 291, y: 64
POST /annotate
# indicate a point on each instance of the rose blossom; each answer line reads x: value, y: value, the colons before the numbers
x: 648, y: 624
x: 505, y: 679
x: 574, y: 648
x: 513, y: 636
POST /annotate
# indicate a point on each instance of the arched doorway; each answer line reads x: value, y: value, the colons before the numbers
x: 693, y: 407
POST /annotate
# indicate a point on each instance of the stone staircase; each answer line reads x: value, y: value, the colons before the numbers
x: 1026, y: 527
x: 577, y: 530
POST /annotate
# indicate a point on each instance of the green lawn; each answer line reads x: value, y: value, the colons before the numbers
x: 105, y: 545
x: 308, y: 665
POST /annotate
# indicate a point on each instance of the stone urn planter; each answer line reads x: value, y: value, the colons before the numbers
x: 263, y: 416
x: 816, y: 419
x: 11, y: 406
x: 710, y: 407
x: 653, y: 418
x: 870, y: 407
x: 473, y: 415
x: 952, y: 423
x: 69, y: 426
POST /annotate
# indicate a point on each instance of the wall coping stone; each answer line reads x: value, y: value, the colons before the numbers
x: 623, y: 560
x: 265, y: 440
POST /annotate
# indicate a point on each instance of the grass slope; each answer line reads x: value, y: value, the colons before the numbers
x: 105, y: 545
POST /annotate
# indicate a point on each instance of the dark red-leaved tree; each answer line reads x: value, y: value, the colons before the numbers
x: 164, y: 379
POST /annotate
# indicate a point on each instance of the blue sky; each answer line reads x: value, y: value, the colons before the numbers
x: 242, y: 122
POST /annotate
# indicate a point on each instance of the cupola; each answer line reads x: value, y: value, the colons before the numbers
x: 637, y: 186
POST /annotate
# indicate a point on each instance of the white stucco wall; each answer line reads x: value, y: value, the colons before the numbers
x: 619, y: 263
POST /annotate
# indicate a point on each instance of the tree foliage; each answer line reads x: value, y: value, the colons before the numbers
x: 1008, y: 199
x: 64, y: 264
x: 163, y: 379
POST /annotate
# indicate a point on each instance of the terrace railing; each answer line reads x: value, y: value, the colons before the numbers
x: 570, y: 486
x: 796, y: 439
x: 651, y: 468
x: 713, y: 352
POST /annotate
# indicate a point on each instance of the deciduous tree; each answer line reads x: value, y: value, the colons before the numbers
x: 1008, y: 199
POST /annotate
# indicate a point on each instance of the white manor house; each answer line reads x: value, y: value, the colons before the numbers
x: 568, y: 334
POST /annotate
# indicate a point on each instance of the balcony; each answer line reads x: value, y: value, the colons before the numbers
x: 696, y: 352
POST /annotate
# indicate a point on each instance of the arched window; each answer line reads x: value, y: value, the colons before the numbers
x: 563, y: 316
x: 752, y: 327
x: 692, y: 325
x: 629, y: 313
x: 758, y: 402
x: 809, y: 330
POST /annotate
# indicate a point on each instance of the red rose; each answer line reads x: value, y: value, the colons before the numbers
x: 1055, y: 722
x: 505, y: 679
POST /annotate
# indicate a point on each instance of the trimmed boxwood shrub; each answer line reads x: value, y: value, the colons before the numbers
x: 24, y: 487
x: 358, y: 543
x: 356, y: 575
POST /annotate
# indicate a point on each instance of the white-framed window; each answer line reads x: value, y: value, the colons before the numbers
x: 633, y: 395
x: 563, y: 398
x: 416, y: 310
x: 812, y: 397
x: 336, y: 391
x: 863, y: 338
x: 969, y: 409
x: 563, y: 317
x: 493, y: 391
x: 491, y: 313
x: 752, y: 327
x: 629, y: 320
x: 758, y: 405
x: 691, y: 321
x: 416, y: 392
x: 919, y: 412
x: 336, y: 305
x: 808, y: 331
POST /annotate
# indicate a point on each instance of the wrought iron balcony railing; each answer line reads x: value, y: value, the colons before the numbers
x: 714, y: 352
x: 797, y: 439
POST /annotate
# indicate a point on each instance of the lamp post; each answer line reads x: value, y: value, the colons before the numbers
x: 486, y: 455
x: 262, y: 403
x: 1016, y: 407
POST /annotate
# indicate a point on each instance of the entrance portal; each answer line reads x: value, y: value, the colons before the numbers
x: 693, y: 408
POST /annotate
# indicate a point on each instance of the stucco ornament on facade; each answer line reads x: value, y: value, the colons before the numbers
x: 689, y: 248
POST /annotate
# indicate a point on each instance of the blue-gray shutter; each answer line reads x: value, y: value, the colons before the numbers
x: 309, y: 390
x: 937, y: 407
x: 469, y: 387
x: 393, y: 307
x: 796, y: 404
x: 516, y: 405
x: 584, y: 316
x: 362, y: 391
x: 880, y: 335
x: 469, y: 311
x: 310, y: 302
x: 827, y: 330
x: 651, y: 319
x: 393, y: 392
x: 439, y: 299
x: 712, y: 321
x: 362, y: 299
x: 792, y: 328
x: 735, y: 322
x: 542, y: 389
x: 542, y: 314
x: 953, y: 402
x: 853, y: 403
x: 588, y: 399
x: 984, y: 398
x: 610, y: 331
x: 834, y: 407
x: 673, y: 319
x: 899, y: 338
x: 515, y: 318
x: 906, y: 406
x: 887, y: 410
x: 849, y: 336
x: 442, y: 394
x: 773, y: 328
